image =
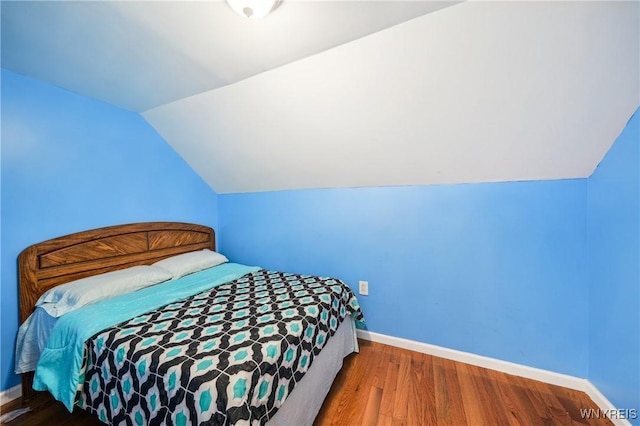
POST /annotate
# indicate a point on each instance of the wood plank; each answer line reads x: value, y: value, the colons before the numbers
x: 401, y: 397
x: 372, y: 408
x: 423, y: 391
x: 448, y: 399
x: 474, y: 411
x: 389, y: 389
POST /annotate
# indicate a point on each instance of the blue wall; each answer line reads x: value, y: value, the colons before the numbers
x: 71, y: 163
x: 544, y: 274
x: 493, y: 269
x: 614, y: 271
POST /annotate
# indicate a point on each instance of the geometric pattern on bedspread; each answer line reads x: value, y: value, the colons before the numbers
x: 229, y: 355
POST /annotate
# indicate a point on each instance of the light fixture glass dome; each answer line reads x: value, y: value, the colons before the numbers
x: 253, y: 9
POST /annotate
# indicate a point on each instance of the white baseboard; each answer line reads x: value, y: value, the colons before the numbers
x: 558, y: 379
x: 520, y: 370
x: 10, y: 394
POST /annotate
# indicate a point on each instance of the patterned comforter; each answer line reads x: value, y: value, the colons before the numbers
x: 229, y: 355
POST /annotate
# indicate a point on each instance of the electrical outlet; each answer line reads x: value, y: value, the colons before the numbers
x: 363, y: 288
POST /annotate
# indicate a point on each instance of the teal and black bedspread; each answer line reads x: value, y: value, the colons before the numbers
x: 227, y: 355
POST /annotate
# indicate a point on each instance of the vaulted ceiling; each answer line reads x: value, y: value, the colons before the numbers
x: 350, y: 93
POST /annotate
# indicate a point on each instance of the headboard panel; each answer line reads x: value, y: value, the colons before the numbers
x: 83, y: 254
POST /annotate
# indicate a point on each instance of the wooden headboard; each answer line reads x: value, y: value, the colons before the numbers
x: 64, y: 259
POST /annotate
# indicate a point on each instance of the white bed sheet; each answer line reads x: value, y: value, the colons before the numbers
x: 32, y: 337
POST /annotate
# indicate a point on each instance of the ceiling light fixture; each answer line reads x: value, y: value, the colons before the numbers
x: 253, y: 9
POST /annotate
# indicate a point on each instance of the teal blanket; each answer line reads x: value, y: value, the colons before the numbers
x: 60, y: 364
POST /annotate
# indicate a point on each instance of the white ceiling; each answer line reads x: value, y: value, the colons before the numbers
x: 142, y: 54
x: 340, y: 94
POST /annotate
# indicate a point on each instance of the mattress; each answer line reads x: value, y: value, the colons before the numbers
x: 304, y: 402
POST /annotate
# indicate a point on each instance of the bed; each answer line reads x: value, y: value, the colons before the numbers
x: 229, y: 344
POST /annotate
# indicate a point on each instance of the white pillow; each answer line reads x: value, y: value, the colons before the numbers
x: 67, y: 297
x: 191, y: 262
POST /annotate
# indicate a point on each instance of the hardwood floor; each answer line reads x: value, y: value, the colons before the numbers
x: 45, y: 411
x: 384, y: 385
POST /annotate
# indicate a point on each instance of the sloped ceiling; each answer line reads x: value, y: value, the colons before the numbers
x: 475, y: 92
x: 142, y: 54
